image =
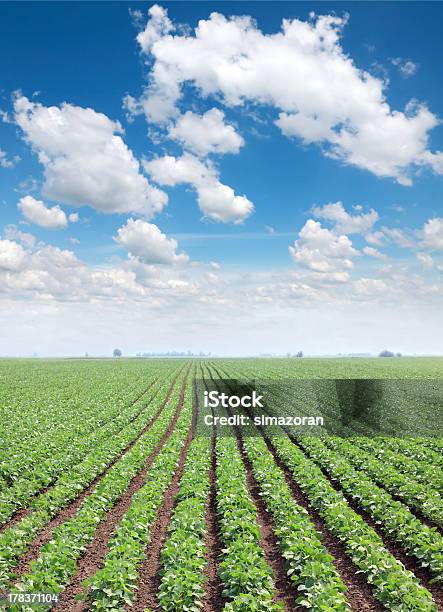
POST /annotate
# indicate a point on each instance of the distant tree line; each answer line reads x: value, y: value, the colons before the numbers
x: 387, y: 353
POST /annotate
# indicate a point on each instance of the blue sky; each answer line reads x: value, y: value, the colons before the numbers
x: 269, y: 252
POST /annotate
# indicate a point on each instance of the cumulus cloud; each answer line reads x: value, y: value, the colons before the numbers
x: 159, y: 25
x: 372, y: 252
x: 398, y: 237
x: 407, y: 68
x: 216, y: 200
x: 12, y: 255
x: 208, y: 133
x: 425, y: 259
x: 327, y: 99
x: 37, y: 213
x: 86, y: 161
x: 49, y: 273
x: 375, y: 238
x: 321, y: 250
x: 146, y: 241
x: 11, y: 232
x: 344, y: 222
x: 432, y: 234
x: 5, y: 162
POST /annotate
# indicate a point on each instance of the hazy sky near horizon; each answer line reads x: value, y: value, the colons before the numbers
x: 234, y: 177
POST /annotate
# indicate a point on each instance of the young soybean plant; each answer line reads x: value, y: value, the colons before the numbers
x: 183, y: 558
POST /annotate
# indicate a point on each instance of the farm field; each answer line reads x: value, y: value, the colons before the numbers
x: 116, y: 494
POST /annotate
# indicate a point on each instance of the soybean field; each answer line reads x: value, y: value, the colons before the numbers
x: 121, y: 490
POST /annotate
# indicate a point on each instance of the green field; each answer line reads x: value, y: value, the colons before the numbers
x: 116, y: 494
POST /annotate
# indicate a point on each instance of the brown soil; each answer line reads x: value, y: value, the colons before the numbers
x: 149, y: 571
x: 213, y: 600
x: 285, y: 591
x: 69, y: 511
x: 422, y: 573
x: 356, y: 585
x: 96, y: 550
x: 358, y: 592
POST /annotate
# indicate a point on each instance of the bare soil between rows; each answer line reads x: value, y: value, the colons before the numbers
x: 213, y: 600
x: 91, y: 560
x: 422, y: 573
x: 149, y: 570
x: 285, y: 592
x: 359, y: 593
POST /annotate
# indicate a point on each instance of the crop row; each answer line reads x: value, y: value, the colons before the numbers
x: 57, y: 561
x: 395, y: 519
x: 308, y: 563
x: 415, y: 494
x: 112, y: 587
x: 44, y: 474
x: 394, y: 586
x: 183, y: 558
x: 414, y: 449
x: 243, y: 569
x: 15, y: 540
x: 52, y: 404
x: 417, y: 470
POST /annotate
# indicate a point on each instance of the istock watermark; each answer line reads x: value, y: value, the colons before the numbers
x: 228, y: 404
x: 339, y: 407
x: 214, y: 399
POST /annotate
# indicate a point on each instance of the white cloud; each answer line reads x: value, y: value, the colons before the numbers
x: 425, y: 259
x: 375, y: 238
x: 5, y: 162
x: 321, y: 250
x: 36, y: 212
x: 5, y: 117
x: 157, y: 26
x: 327, y: 99
x: 344, y: 222
x: 216, y: 200
x: 146, y: 241
x: 373, y: 253
x: 44, y: 287
x: 406, y: 68
x: 12, y: 255
x: 86, y: 161
x: 432, y: 234
x: 398, y: 237
x: 73, y: 217
x: 368, y: 287
x: 330, y: 277
x: 398, y: 208
x: 11, y: 232
x: 208, y: 133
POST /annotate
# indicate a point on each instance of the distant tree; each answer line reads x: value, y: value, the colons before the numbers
x: 86, y: 354
x: 386, y: 353
x: 117, y: 353
x: 300, y: 354
x: 398, y: 355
